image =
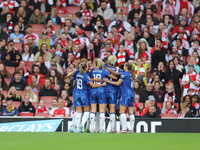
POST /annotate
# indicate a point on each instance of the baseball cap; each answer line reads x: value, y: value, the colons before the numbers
x: 79, y: 32
x: 44, y: 33
x: 191, y: 65
x: 183, y: 18
x: 58, y: 53
x: 151, y: 98
x: 118, y: 23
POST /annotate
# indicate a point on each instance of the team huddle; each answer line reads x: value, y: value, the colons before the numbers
x: 101, y: 86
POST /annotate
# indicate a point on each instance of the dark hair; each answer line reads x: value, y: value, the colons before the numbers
x: 57, y: 74
x: 87, y: 7
x: 168, y: 71
x: 17, y: 72
x: 34, y: 76
x: 3, y: 82
x: 41, y: 51
x: 9, y: 14
x: 189, y: 98
x: 1, y: 39
x: 79, y: 14
x: 139, y: 90
x: 36, y: 66
x: 109, y: 52
x: 10, y: 41
x: 179, y: 40
x: 29, y: 26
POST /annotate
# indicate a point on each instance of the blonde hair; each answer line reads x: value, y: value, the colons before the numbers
x: 36, y: 19
x: 98, y: 62
x: 24, y: 14
x: 184, y: 105
x: 31, y: 95
x: 81, y: 60
x: 82, y: 67
x: 129, y: 34
x: 187, y: 15
x: 53, y: 12
x: 193, y: 23
x: 9, y: 92
x: 112, y: 60
x: 6, y: 7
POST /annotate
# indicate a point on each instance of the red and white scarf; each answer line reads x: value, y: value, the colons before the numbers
x: 40, y: 110
x: 11, y: 5
x: 180, y: 50
x: 169, y: 111
x: 196, y: 105
x: 182, y: 114
x: 87, y: 13
x: 164, y: 39
x: 129, y: 49
x: 167, y: 96
x: 77, y: 55
x: 53, y: 30
x: 63, y: 43
x: 26, y: 73
x: 91, y: 56
x: 121, y: 58
x: 10, y: 26
x: 131, y: 7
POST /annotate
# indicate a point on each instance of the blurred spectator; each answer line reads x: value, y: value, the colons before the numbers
x: 64, y: 96
x: 18, y: 83
x: 188, y: 100
x: 45, y: 40
x: 4, y: 72
x: 185, y: 111
x: 154, y: 103
x: 13, y: 95
x: 11, y: 4
x: 68, y: 89
x: 37, y: 17
x: 86, y: 11
x: 42, y: 65
x: 122, y: 56
x: 10, y: 110
x: 3, y: 104
x: 147, y: 104
x: 152, y: 113
x: 75, y: 2
x: 3, y: 84
x: 179, y: 67
x: 54, y: 17
x: 8, y: 62
x: 26, y: 105
x: 35, y: 37
x: 40, y: 77
x: 35, y: 85
x: 198, y: 114
x: 147, y: 92
x: 137, y: 89
x: 5, y: 10
x: 24, y: 4
x: 33, y: 47
x: 190, y: 80
x: 194, y: 101
x: 167, y: 108
x: 54, y: 103
x: 42, y: 108
x: 60, y: 6
x: 105, y: 11
x: 60, y: 111
x: 2, y: 45
x: 28, y: 91
x: 16, y: 36
x: 47, y: 90
x: 43, y: 52
x: 193, y: 62
x: 43, y: 6
x: 157, y: 89
x: 55, y: 79
x: 27, y: 53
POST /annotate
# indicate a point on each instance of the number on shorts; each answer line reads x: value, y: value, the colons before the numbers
x: 79, y: 84
x: 97, y: 76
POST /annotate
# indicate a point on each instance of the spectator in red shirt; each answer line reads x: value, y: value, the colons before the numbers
x: 42, y: 108
x: 59, y: 111
x: 40, y: 77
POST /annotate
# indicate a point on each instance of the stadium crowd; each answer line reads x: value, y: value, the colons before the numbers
x: 42, y: 43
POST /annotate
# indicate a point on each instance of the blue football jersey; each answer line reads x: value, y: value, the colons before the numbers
x: 126, y: 85
x: 82, y: 81
x: 99, y: 73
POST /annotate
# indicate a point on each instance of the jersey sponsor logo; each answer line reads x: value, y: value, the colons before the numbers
x: 31, y: 126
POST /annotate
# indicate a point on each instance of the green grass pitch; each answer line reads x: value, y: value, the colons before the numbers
x: 107, y: 141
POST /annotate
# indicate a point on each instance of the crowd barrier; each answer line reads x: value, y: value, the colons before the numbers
x: 39, y: 124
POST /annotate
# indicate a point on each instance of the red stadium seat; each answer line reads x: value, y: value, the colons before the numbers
x: 41, y: 114
x: 31, y: 7
x: 36, y: 92
x: 57, y: 27
x: 18, y: 46
x: 35, y: 104
x: 141, y: 106
x: 168, y: 115
x: 177, y: 106
x: 11, y: 70
x: 107, y: 22
x: 48, y: 104
x: 46, y: 14
x: 157, y: 15
x: 4, y: 92
x: 159, y: 105
x: 21, y: 93
x: 37, y: 27
x: 88, y: 33
x: 16, y: 104
x: 7, y: 81
x: 39, y: 33
x: 28, y: 114
x: 47, y: 98
x: 73, y: 9
x: 29, y: 65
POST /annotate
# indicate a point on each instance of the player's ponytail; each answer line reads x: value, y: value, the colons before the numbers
x: 131, y: 69
x: 80, y: 61
x: 98, y: 63
x: 112, y: 60
x: 82, y: 67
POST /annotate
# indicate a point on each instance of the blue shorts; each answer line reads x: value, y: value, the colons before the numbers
x: 81, y: 99
x: 111, y: 98
x: 117, y: 102
x: 74, y: 96
x: 98, y: 95
x: 127, y: 101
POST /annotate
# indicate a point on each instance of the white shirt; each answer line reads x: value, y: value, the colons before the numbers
x: 27, y: 58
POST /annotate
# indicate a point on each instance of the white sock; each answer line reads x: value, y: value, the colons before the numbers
x: 123, y: 121
x: 132, y: 121
x: 88, y: 122
x: 101, y: 120
x: 120, y: 120
x: 73, y: 119
x: 92, y: 122
x: 85, y: 117
x: 112, y: 121
x: 97, y: 122
x: 78, y: 120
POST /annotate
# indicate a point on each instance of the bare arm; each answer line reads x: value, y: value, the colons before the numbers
x: 114, y: 83
x: 113, y: 72
x: 186, y: 83
x: 113, y: 77
x: 97, y: 85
